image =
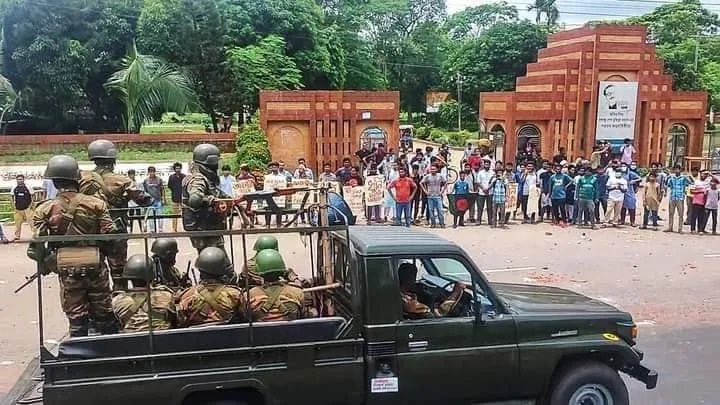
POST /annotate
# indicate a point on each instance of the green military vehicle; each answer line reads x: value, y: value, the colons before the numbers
x: 501, y: 342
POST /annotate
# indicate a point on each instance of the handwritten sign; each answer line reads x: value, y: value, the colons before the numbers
x: 354, y: 197
x: 511, y: 197
x: 374, y: 190
x: 272, y: 182
x: 298, y: 197
x: 241, y: 187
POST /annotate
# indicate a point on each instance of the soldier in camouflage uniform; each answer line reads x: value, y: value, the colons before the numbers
x: 164, y: 253
x: 211, y: 301
x: 262, y: 243
x: 84, y: 283
x: 412, y: 307
x: 116, y: 189
x: 131, y: 307
x: 200, y: 191
x: 276, y: 300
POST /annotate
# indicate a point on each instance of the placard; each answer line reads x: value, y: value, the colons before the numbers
x: 354, y: 198
x: 374, y: 190
x: 385, y: 384
x: 241, y: 187
x: 511, y: 197
x: 298, y: 197
x: 616, y: 110
x: 271, y: 182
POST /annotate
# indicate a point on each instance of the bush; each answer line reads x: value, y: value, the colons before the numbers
x: 447, y: 116
x: 189, y: 118
x: 459, y: 138
x: 422, y: 132
x: 252, y: 147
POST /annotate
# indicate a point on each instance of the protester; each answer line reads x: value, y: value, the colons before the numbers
x: 327, y: 176
x: 484, y: 180
x: 697, y: 214
x: 302, y: 171
x: 627, y: 152
x: 372, y: 213
x: 134, y: 211
x: 499, y: 189
x: 418, y: 197
x: 570, y: 194
x: 694, y: 175
x: 153, y: 185
x: 586, y: 194
x: 433, y: 185
x: 343, y: 174
x: 461, y: 186
x: 175, y: 185
x: 560, y: 157
x: 545, y: 204
x: 559, y: 182
x: 616, y: 186
x: 49, y: 189
x: 601, y: 194
x: 22, y: 202
x: 676, y: 184
x: 284, y: 172
x: 630, y: 199
x: 651, y: 201
x: 712, y: 197
x: 402, y: 190
x: 355, y: 178
x: 246, y: 175
x: 389, y: 203
x: 226, y: 180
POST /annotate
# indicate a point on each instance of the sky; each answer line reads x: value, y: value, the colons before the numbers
x: 575, y: 13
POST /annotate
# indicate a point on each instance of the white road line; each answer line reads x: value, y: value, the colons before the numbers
x: 645, y: 323
x: 712, y: 255
x: 510, y: 269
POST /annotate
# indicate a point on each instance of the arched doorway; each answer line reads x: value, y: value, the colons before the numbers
x: 373, y: 136
x: 676, y: 145
x: 528, y: 138
x: 497, y: 136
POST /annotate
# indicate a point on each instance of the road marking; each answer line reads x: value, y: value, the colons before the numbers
x: 510, y: 269
x: 712, y: 255
x: 645, y: 323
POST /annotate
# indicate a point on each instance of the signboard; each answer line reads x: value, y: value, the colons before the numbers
x: 241, y: 187
x: 433, y: 100
x: 354, y: 198
x: 616, y: 110
x: 511, y: 197
x: 374, y: 190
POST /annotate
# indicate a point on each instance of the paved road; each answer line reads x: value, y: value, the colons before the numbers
x: 667, y: 281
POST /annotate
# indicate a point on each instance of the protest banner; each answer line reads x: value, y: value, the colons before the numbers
x: 354, y: 198
x: 511, y: 197
x: 298, y: 197
x: 271, y: 182
x: 374, y: 190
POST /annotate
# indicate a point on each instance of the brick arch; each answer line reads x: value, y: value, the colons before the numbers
x: 677, y: 143
x: 616, y: 78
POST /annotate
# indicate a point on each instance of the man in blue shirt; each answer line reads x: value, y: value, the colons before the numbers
x: 676, y: 184
x: 602, y: 197
x: 558, y: 185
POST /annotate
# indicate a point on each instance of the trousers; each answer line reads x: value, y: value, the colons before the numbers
x: 612, y: 215
x: 586, y: 212
x: 673, y: 206
x: 435, y: 208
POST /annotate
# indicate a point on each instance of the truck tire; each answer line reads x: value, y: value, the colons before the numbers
x: 588, y: 382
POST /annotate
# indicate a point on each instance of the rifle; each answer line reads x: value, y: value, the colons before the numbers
x: 29, y: 280
x: 187, y: 274
x: 159, y: 274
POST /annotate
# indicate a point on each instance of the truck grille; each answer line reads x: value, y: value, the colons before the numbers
x: 381, y: 349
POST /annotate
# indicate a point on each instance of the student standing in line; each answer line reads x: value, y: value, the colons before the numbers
x: 499, y: 188
x: 433, y: 185
x: 461, y: 186
x: 558, y: 185
x: 651, y: 201
x: 676, y: 185
x: 712, y: 198
x: 616, y: 186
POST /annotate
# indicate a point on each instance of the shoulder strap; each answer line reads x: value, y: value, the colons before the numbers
x: 137, y: 304
x: 203, y: 297
x: 273, y: 296
x: 69, y: 208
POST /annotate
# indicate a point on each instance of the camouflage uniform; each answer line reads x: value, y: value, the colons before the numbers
x: 209, y: 302
x: 117, y: 190
x: 173, y: 277
x: 277, y: 301
x: 131, y: 309
x: 414, y: 309
x: 83, y: 297
x: 200, y: 217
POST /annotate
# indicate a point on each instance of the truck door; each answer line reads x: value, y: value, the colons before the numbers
x: 454, y: 358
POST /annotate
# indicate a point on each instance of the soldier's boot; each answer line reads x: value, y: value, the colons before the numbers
x: 79, y: 327
x: 106, y: 326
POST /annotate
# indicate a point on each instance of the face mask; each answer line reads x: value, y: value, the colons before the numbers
x: 633, y: 167
x: 564, y: 170
x: 618, y: 175
x: 624, y: 169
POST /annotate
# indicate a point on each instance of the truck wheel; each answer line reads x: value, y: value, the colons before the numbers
x: 589, y: 383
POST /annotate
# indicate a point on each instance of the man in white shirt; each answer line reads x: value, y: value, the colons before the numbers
x: 227, y: 181
x: 302, y: 171
x: 49, y: 188
x: 616, y: 186
x: 483, y: 180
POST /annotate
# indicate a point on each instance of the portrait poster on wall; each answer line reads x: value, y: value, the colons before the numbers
x: 617, y: 103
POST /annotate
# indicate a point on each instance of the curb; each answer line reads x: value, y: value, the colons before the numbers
x: 24, y: 384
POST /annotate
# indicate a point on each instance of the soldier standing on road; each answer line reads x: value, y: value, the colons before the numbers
x: 276, y: 300
x: 131, y: 307
x: 200, y: 190
x: 84, y: 283
x: 116, y: 190
x: 211, y: 301
x: 164, y: 255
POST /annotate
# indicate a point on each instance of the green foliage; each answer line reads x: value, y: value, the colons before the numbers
x: 422, y: 132
x: 147, y: 87
x: 252, y: 147
x: 189, y: 118
x: 472, y: 22
x: 448, y: 116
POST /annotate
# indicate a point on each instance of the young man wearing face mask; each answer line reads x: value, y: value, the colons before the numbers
x: 630, y: 199
x: 616, y: 186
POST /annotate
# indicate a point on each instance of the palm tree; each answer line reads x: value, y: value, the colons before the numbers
x: 8, y: 99
x: 547, y: 8
x: 146, y: 86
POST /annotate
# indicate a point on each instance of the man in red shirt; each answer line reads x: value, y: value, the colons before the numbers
x: 475, y: 159
x: 402, y: 190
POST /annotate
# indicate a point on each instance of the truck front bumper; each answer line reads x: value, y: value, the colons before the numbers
x: 642, y: 373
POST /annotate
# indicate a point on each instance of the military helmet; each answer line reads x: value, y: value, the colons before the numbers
x: 213, y: 261
x: 165, y: 248
x: 102, y: 149
x: 138, y: 267
x: 62, y: 167
x: 269, y: 261
x: 206, y: 154
x: 266, y: 242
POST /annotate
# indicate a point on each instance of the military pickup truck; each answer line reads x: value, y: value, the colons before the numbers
x: 501, y: 342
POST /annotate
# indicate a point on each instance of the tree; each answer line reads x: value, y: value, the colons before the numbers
x: 263, y: 66
x: 493, y: 61
x: 147, y: 86
x: 9, y: 98
x: 252, y: 147
x: 471, y: 22
x: 547, y: 8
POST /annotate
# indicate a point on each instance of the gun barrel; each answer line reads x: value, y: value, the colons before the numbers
x: 29, y: 280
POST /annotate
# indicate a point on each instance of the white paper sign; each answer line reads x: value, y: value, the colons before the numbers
x: 385, y: 384
x: 616, y: 110
x: 374, y: 190
x: 354, y: 198
x: 272, y: 182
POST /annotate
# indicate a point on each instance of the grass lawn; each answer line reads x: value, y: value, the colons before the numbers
x: 81, y: 155
x: 160, y: 128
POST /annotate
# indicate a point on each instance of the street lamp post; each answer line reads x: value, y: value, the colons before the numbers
x: 460, y: 79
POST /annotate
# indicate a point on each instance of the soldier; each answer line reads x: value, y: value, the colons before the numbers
x: 117, y: 190
x: 164, y: 253
x: 84, y: 283
x: 412, y: 307
x: 131, y: 308
x: 211, y: 301
x: 200, y: 190
x: 276, y: 300
x: 262, y: 243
